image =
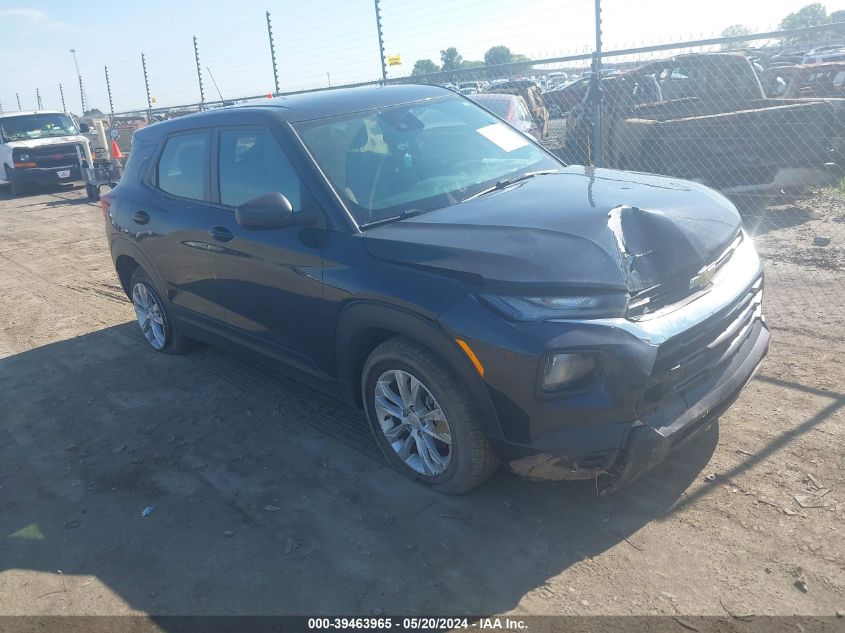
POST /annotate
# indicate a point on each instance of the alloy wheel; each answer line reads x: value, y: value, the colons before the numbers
x: 150, y: 315
x: 413, y: 422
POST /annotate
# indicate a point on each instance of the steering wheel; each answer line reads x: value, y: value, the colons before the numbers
x: 444, y: 188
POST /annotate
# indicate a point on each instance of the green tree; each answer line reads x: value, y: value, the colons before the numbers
x: 735, y: 30
x: 451, y: 59
x: 498, y: 55
x: 838, y: 16
x: 424, y: 67
x: 810, y: 15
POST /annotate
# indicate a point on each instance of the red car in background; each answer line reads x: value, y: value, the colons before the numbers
x: 509, y: 108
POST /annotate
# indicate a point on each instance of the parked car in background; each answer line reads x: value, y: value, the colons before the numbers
x: 706, y: 116
x: 530, y: 93
x: 821, y: 54
x: 811, y: 80
x: 40, y: 147
x: 509, y: 108
x: 556, y: 79
x: 479, y: 300
x: 470, y: 87
x: 559, y: 101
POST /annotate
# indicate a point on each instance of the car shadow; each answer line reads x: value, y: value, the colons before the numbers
x: 263, y: 496
x: 53, y: 190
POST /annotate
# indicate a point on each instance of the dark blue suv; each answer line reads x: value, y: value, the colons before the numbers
x: 480, y: 300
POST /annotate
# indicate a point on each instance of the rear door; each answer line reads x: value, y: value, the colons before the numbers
x: 269, y: 282
x: 172, y: 224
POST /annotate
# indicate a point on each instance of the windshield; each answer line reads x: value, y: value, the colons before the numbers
x: 29, y: 126
x: 418, y: 156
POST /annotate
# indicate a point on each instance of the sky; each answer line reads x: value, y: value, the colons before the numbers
x: 318, y: 43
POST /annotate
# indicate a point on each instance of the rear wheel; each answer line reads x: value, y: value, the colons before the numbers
x: 153, y: 318
x: 423, y: 418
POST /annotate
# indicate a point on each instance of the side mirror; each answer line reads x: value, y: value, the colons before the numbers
x: 84, y: 128
x: 272, y: 211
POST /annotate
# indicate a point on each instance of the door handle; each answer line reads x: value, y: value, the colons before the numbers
x: 141, y: 217
x: 221, y: 234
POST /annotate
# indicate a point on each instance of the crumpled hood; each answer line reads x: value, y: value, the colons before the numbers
x: 44, y: 142
x: 584, y: 227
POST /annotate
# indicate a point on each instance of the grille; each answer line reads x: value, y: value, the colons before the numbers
x: 53, y: 155
x: 677, y: 292
x: 687, y: 360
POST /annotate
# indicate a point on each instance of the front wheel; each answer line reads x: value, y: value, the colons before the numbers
x: 15, y: 188
x: 423, y: 418
x: 156, y: 325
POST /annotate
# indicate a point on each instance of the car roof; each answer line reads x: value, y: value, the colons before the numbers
x: 4, y: 115
x: 304, y: 106
x: 492, y: 96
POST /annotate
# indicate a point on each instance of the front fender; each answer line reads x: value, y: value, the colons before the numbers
x: 360, y: 316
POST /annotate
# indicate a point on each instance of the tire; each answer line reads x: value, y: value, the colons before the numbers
x: 458, y: 466
x: 161, y: 334
x: 15, y: 188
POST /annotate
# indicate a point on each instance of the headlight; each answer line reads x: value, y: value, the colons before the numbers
x: 567, y: 369
x: 591, y: 306
x: 23, y: 158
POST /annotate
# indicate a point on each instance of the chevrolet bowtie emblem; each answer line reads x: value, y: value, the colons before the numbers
x: 703, y: 277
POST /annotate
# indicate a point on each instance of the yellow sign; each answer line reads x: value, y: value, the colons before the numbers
x: 394, y: 60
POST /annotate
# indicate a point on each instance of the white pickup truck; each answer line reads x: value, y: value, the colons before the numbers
x: 40, y: 146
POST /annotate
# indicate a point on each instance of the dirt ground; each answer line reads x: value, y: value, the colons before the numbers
x: 267, y: 498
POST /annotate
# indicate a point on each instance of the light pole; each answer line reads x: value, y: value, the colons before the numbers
x: 329, y: 79
x: 81, y: 87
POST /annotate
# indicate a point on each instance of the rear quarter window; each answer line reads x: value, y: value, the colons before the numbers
x: 139, y: 159
x: 182, y: 166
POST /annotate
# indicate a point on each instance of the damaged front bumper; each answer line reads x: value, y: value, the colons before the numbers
x: 615, y: 456
x: 706, y: 352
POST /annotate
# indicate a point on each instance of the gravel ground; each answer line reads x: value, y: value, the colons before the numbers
x: 267, y: 497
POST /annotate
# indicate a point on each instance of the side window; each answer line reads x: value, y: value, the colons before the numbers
x: 251, y: 164
x: 181, y: 168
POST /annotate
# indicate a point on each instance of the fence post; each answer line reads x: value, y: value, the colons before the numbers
x: 380, y: 43
x: 62, y: 94
x: 598, y: 134
x: 199, y: 74
x: 38, y: 99
x: 273, y: 56
x: 18, y: 97
x: 111, y: 104
x: 82, y: 95
x: 147, y: 86
x: 81, y: 87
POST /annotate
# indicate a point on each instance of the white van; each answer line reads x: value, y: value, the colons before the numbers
x: 40, y: 146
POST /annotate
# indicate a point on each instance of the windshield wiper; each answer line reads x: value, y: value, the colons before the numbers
x: 407, y: 213
x: 505, y: 182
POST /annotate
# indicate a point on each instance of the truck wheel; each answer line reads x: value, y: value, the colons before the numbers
x: 151, y: 311
x: 15, y: 188
x: 423, y: 418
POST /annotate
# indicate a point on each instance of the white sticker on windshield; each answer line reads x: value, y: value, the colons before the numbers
x: 503, y: 136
